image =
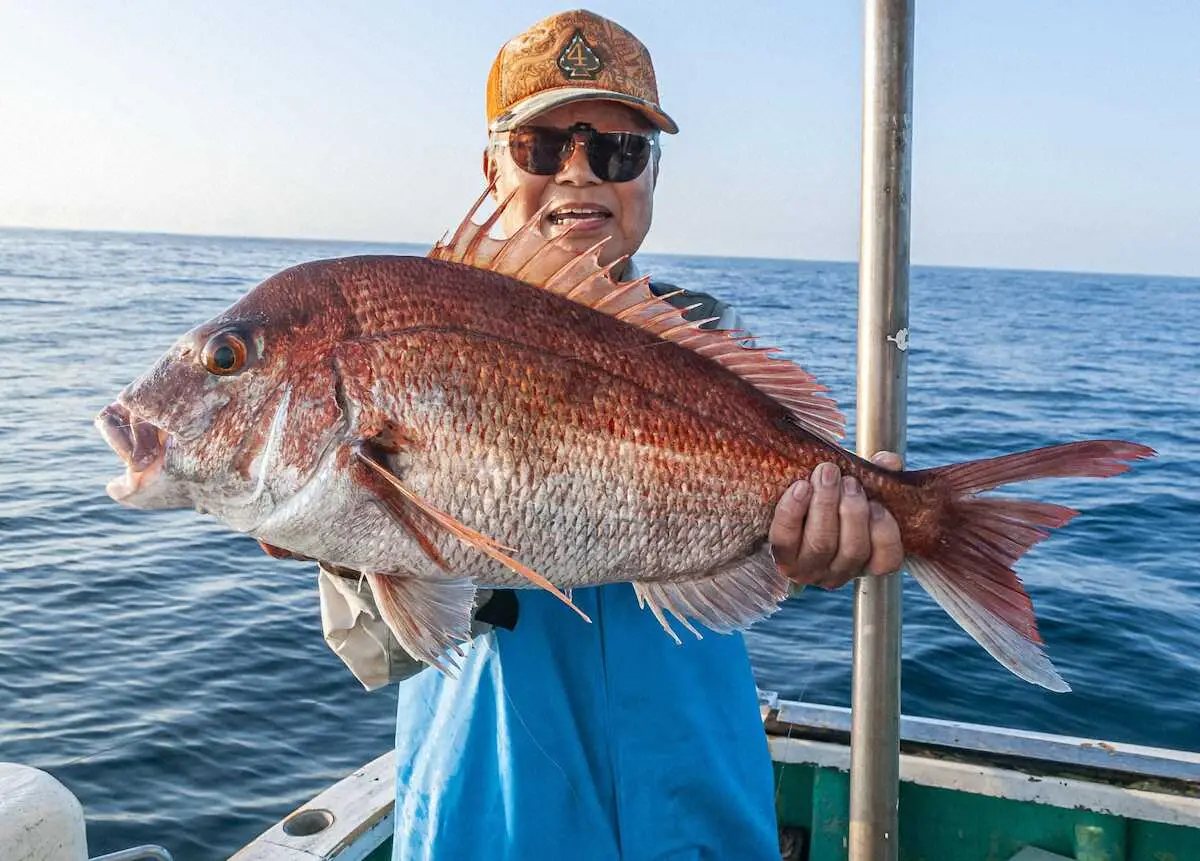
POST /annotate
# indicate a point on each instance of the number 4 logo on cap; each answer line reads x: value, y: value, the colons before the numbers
x: 578, y: 59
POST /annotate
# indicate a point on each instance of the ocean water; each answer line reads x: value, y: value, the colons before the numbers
x: 174, y: 677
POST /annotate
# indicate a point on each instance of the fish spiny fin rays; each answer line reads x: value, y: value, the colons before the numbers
x: 428, y: 618
x: 729, y: 599
x: 528, y: 256
x: 470, y: 239
x: 586, y: 282
x: 492, y: 549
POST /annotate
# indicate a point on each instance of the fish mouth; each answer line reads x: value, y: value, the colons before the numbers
x: 141, y: 444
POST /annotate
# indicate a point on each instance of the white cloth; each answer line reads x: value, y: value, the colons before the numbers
x: 354, y: 631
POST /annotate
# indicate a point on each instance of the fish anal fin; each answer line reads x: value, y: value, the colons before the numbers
x: 726, y: 600
x: 401, y: 496
x: 428, y: 617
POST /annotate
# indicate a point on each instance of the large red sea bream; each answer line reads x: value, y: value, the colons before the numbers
x: 505, y: 414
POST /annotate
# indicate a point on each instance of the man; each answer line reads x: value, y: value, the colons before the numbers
x: 559, y: 739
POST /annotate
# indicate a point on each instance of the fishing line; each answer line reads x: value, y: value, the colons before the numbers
x: 806, y: 677
x: 120, y: 744
x: 517, y: 714
x: 779, y: 779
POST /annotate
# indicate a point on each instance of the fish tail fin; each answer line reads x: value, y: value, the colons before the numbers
x: 968, y: 570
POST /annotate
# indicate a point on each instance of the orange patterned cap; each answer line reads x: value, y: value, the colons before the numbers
x: 571, y: 57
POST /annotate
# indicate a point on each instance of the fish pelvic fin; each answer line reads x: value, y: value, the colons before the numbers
x: 727, y: 600
x: 428, y: 618
x: 365, y: 455
x: 530, y: 257
x: 282, y: 552
x: 969, y: 570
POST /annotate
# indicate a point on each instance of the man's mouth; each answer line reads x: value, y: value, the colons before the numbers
x: 582, y: 216
x: 142, y: 445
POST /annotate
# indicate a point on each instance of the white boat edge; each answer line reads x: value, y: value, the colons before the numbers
x: 358, y: 811
x: 346, y: 822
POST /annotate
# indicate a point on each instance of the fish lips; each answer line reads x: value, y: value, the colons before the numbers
x: 141, y: 444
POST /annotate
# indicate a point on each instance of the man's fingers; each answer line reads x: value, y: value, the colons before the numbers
x: 888, y: 460
x: 821, y: 527
x: 826, y: 532
x: 887, y: 550
x: 854, y: 539
x: 787, y: 526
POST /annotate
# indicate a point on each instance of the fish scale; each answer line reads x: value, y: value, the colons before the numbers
x: 619, y: 495
x: 438, y: 426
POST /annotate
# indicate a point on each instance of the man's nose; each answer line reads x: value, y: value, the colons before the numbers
x: 576, y: 170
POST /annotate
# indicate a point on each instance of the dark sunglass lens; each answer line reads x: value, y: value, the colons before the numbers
x: 538, y: 150
x: 619, y: 156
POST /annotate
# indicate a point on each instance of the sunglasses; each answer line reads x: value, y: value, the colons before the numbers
x: 612, y: 156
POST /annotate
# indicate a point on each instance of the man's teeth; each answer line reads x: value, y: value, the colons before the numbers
x: 576, y: 214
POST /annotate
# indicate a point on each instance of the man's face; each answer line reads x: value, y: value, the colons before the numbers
x: 618, y: 210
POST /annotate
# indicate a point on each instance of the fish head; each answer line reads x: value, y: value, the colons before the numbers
x: 237, y: 416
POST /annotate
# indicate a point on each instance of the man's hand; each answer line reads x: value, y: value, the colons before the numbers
x: 825, y: 532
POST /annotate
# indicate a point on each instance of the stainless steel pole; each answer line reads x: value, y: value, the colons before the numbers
x: 881, y: 414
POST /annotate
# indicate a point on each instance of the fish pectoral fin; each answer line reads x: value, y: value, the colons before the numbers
x: 729, y: 599
x: 429, y: 618
x: 373, y: 474
x: 487, y: 546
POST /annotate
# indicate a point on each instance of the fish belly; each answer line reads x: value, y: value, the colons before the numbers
x: 585, y: 509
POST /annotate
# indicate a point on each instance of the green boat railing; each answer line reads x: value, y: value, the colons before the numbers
x: 966, y: 792
x: 980, y: 793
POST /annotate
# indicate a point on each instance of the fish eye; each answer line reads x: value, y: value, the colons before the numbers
x: 224, y: 354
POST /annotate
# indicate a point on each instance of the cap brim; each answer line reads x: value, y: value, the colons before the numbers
x: 526, y: 109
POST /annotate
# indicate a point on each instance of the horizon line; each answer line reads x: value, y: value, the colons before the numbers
x: 300, y: 239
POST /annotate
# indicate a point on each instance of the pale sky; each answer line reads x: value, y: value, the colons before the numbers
x: 1049, y: 134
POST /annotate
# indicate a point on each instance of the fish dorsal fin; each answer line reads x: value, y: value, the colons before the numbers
x: 530, y: 257
x: 526, y: 255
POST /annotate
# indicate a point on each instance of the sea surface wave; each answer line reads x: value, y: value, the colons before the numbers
x: 175, y: 679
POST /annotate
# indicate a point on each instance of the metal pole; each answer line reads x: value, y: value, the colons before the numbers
x: 881, y: 415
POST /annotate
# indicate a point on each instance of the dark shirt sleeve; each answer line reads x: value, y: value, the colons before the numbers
x: 707, y: 307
